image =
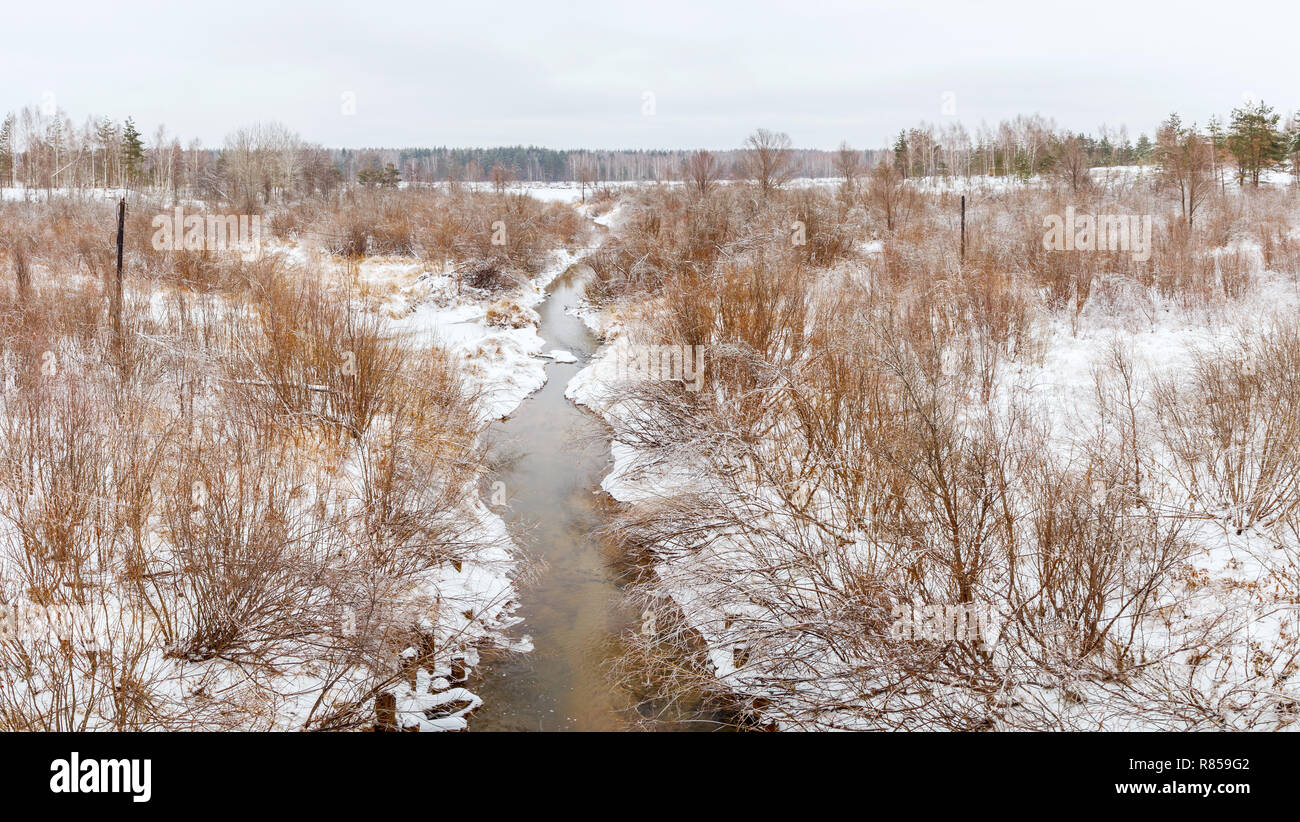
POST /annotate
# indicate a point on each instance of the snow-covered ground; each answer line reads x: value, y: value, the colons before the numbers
x: 459, y: 605
x: 19, y: 194
x: 423, y: 303
x: 1235, y: 571
x: 503, y: 364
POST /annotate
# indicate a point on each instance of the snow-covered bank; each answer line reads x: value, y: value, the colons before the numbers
x: 493, y: 336
x: 496, y: 340
x: 1232, y: 601
x: 305, y: 566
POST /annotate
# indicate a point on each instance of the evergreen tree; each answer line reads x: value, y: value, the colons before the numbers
x: 1254, y: 140
x: 1293, y: 146
x: 1125, y: 154
x: 389, y: 177
x: 1142, y: 151
x: 1104, y: 152
x: 1022, y: 166
x: 108, y: 141
x: 132, y: 151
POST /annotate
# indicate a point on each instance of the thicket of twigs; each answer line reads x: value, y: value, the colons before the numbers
x: 862, y: 444
x: 492, y: 239
x: 249, y: 492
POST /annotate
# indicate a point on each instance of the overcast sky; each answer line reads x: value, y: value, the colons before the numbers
x: 578, y: 74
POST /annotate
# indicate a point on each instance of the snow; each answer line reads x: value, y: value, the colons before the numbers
x: 1239, y: 571
x: 505, y: 365
x: 425, y: 305
x: 19, y: 194
x: 460, y: 606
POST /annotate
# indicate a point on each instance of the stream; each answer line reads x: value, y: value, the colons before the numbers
x: 552, y: 456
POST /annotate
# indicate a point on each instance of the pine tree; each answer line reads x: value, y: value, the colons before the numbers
x: 1125, y: 155
x: 1105, y: 151
x: 1293, y: 145
x: 107, y: 140
x: 390, y: 177
x: 1254, y: 139
x: 1143, y: 149
x: 132, y: 151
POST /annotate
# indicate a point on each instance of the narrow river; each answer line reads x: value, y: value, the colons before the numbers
x: 552, y: 456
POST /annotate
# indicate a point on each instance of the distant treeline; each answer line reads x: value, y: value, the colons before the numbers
x: 44, y: 149
x: 534, y: 164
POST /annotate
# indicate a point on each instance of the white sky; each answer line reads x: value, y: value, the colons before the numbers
x: 574, y: 74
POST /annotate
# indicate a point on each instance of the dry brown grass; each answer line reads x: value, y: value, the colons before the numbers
x: 508, y: 232
x: 863, y: 447
x: 259, y: 457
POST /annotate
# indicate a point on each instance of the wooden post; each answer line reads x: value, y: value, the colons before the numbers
x: 385, y: 712
x: 963, y: 228
x: 117, y: 293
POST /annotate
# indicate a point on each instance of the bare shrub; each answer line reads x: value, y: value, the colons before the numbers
x: 1234, y: 431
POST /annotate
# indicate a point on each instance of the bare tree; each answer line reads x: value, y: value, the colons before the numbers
x: 585, y: 171
x: 768, y: 159
x: 501, y: 177
x: 262, y: 159
x: 1072, y: 165
x: 848, y: 164
x: 887, y: 194
x: 701, y: 170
